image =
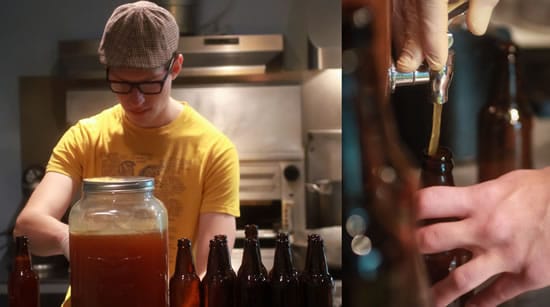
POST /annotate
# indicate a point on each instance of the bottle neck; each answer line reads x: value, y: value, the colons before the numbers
x: 282, y: 263
x: 251, y: 231
x: 437, y: 169
x: 512, y: 77
x: 252, y: 263
x: 184, y: 261
x: 22, y: 254
x: 316, y: 263
x: 508, y: 82
x: 218, y: 259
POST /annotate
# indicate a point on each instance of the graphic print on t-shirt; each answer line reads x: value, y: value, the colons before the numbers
x: 168, y: 175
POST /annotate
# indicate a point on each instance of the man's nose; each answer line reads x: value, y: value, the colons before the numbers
x: 136, y: 97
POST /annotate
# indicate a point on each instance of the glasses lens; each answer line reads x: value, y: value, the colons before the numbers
x: 120, y: 87
x: 150, y: 88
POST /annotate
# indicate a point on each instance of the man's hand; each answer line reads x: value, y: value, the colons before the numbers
x: 504, y: 222
x: 420, y: 30
x: 40, y: 218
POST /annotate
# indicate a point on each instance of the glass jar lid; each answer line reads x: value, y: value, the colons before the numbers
x: 118, y: 184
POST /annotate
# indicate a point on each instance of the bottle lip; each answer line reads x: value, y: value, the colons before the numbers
x: 118, y: 184
x: 22, y: 240
x: 443, y: 154
x: 184, y: 242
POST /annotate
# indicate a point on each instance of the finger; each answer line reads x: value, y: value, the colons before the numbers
x: 398, y: 25
x: 441, y: 237
x: 433, y: 20
x: 411, y: 55
x: 407, y: 32
x: 505, y: 287
x: 441, y: 202
x: 479, y: 14
x: 464, y: 279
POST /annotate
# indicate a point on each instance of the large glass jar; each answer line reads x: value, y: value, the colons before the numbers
x: 118, y: 244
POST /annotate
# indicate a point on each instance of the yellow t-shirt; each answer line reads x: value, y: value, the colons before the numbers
x: 195, y: 166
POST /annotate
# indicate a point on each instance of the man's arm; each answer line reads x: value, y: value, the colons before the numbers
x: 211, y: 224
x: 40, y: 218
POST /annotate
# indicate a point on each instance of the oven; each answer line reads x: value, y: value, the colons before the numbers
x: 271, y: 194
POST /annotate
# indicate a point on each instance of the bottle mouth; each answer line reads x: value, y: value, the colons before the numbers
x: 184, y: 242
x: 443, y: 154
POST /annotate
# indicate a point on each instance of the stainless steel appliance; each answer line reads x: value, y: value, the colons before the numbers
x: 205, y: 55
x: 324, y: 178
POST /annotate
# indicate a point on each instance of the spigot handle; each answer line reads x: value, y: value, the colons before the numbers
x: 456, y: 8
x: 441, y: 80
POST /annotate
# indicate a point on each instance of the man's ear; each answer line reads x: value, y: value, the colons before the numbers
x: 178, y: 64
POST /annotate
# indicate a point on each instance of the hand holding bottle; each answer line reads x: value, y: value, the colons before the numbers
x: 505, y: 223
x: 420, y: 29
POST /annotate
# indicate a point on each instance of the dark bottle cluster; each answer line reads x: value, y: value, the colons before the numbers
x: 252, y: 285
x: 437, y: 171
x: 23, y: 284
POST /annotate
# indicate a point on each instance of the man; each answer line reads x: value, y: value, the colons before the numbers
x: 148, y: 133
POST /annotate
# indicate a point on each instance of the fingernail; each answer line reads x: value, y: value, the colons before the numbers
x: 404, y: 64
x: 434, y: 63
x: 478, y: 19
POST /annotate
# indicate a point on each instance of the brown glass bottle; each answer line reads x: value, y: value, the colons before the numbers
x: 382, y: 265
x: 23, y: 284
x: 251, y: 232
x: 505, y: 121
x: 252, y: 282
x: 437, y: 171
x: 184, y: 284
x: 283, y: 277
x: 316, y: 280
x: 218, y: 285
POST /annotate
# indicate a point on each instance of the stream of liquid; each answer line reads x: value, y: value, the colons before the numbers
x: 436, y: 127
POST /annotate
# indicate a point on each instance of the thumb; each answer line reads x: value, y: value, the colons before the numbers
x: 505, y: 287
x: 479, y: 13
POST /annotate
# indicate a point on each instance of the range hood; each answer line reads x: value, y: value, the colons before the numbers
x: 209, y: 55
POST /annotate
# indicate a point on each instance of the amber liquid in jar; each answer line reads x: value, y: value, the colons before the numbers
x: 119, y: 270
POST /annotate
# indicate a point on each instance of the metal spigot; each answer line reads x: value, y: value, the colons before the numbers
x: 398, y: 78
x: 440, y: 79
x: 420, y: 76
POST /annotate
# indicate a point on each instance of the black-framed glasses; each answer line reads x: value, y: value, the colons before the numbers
x: 145, y: 87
